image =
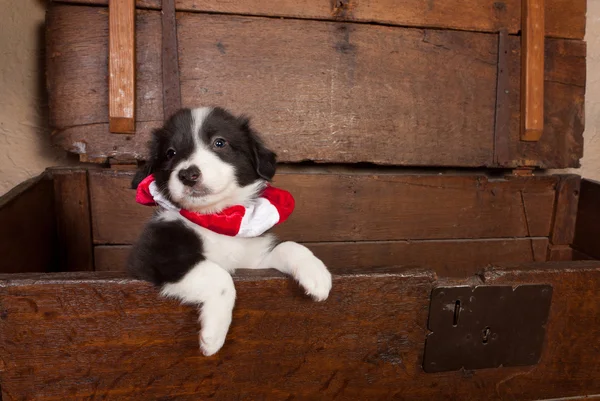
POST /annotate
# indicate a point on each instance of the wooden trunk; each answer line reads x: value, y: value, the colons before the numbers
x: 360, y: 90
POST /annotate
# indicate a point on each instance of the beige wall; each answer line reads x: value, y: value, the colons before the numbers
x: 24, y: 137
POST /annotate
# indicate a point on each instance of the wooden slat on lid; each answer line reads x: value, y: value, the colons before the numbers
x: 532, y: 70
x: 121, y: 66
x: 565, y: 18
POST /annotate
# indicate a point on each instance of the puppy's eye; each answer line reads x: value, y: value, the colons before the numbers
x: 170, y: 153
x: 219, y: 143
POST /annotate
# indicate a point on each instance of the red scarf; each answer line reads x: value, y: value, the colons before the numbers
x: 274, y: 206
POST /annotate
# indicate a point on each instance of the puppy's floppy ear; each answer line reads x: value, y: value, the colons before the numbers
x: 264, y: 160
x: 147, y: 168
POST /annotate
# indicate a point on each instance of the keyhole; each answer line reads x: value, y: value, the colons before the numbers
x: 486, y: 335
x: 456, y: 313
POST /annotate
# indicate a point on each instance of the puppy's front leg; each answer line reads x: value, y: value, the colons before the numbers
x: 299, y: 262
x: 209, y: 285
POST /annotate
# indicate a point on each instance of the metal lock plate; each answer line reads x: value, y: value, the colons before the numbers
x: 486, y: 327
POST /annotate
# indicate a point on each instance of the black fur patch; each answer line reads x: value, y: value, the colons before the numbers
x: 165, y: 252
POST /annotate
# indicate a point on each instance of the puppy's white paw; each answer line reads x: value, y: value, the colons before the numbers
x: 215, y: 325
x: 313, y: 276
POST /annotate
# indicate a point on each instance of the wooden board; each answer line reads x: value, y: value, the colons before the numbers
x: 565, y: 18
x: 116, y: 339
x: 73, y: 219
x: 587, y: 230
x: 565, y: 211
x: 28, y: 228
x: 561, y: 144
x: 448, y: 258
x: 361, y: 93
x: 365, y: 207
x: 324, y: 91
x: 121, y: 66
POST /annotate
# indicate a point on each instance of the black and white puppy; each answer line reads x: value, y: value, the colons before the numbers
x: 205, y: 160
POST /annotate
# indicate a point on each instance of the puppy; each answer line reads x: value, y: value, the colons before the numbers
x: 205, y: 163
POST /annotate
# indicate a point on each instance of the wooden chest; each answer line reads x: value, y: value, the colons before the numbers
x: 410, y: 135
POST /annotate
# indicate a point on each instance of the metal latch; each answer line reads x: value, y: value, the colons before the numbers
x: 486, y: 327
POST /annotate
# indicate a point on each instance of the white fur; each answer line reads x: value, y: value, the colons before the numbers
x: 210, y: 283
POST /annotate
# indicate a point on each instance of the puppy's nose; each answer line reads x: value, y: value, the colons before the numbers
x: 189, y: 176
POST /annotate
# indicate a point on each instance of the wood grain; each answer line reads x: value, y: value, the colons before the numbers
x: 357, y: 96
x: 532, y: 70
x: 448, y: 258
x: 114, y: 338
x: 28, y: 228
x: 565, y: 18
x: 365, y: 207
x: 565, y: 213
x: 587, y: 229
x: 73, y: 220
x: 418, y: 121
x: 121, y: 66
x: 77, y: 73
x: 561, y: 145
x: 170, y: 60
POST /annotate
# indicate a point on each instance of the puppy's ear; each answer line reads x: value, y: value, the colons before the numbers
x: 265, y: 160
x: 148, y: 168
x: 143, y: 171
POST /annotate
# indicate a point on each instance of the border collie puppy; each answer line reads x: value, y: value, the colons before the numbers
x: 209, y: 173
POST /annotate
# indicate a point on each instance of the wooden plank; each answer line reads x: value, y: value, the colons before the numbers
x: 73, y: 218
x: 77, y: 54
x: 365, y: 342
x: 565, y: 18
x: 170, y: 62
x: 561, y: 145
x: 565, y: 213
x: 587, y: 229
x: 121, y: 66
x: 560, y: 253
x: 78, y: 40
x: 448, y: 258
x: 365, y: 207
x: 349, y: 88
x: 532, y: 70
x: 28, y: 230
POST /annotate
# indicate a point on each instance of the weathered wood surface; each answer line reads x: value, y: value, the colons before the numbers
x: 365, y: 207
x: 91, y: 336
x: 587, y: 229
x: 73, y: 219
x: 448, y: 258
x: 324, y: 91
x: 121, y: 66
x: 28, y: 227
x: 565, y: 18
x: 565, y: 210
x: 561, y: 144
x: 77, y: 69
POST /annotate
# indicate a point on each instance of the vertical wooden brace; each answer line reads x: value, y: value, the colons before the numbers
x: 532, y: 70
x: 170, y: 62
x: 121, y: 66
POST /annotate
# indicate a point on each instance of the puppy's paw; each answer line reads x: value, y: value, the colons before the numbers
x: 215, y: 325
x: 314, y: 277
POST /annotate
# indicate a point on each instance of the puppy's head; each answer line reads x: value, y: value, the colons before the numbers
x: 206, y: 159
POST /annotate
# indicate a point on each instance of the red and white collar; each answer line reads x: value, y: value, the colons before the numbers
x: 274, y: 206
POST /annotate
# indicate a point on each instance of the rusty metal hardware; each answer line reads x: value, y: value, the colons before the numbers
x: 486, y: 327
